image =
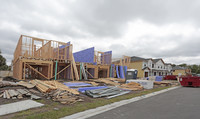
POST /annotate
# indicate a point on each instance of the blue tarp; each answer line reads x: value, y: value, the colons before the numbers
x: 117, y: 71
x: 77, y: 84
x: 159, y: 78
x: 91, y: 88
x: 121, y: 72
x: 125, y: 70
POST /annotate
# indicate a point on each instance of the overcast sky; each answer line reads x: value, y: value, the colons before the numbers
x: 168, y: 29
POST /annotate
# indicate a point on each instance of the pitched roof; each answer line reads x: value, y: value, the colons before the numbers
x: 178, y: 68
x: 156, y: 60
x: 135, y: 58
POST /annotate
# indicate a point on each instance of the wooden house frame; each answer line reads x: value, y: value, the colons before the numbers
x: 41, y: 58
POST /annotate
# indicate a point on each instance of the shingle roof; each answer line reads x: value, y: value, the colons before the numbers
x: 134, y: 58
x: 178, y: 68
x: 156, y: 60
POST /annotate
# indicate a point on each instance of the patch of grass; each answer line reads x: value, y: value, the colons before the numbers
x: 82, y: 106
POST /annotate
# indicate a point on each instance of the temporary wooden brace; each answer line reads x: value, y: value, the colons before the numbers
x: 75, y: 68
x: 62, y: 70
x: 37, y: 71
x: 89, y: 74
x: 72, y: 73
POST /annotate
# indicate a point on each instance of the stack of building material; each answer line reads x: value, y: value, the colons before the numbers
x: 106, y: 81
x: 144, y: 83
x: 117, y: 79
x: 25, y: 84
x: 109, y: 91
x: 82, y: 86
x: 162, y: 83
x: 43, y: 87
x: 17, y: 94
x: 64, y: 96
x: 7, y: 83
x: 132, y: 86
x: 61, y: 86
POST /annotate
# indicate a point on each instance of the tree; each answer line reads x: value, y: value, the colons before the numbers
x: 3, y: 65
x: 183, y: 65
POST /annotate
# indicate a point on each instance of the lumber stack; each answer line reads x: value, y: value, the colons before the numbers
x: 132, y: 86
x: 162, y: 83
x: 64, y: 97
x: 43, y: 87
x: 61, y: 86
x: 117, y: 79
x: 106, y: 81
x: 25, y: 84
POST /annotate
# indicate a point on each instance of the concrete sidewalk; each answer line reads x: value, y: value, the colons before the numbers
x: 18, y: 106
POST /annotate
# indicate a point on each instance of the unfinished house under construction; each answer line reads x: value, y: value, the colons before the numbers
x: 120, y: 66
x: 43, y: 59
x: 93, y: 64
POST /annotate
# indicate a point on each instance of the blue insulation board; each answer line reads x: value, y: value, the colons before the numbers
x: 91, y: 88
x: 86, y: 56
x: 121, y: 71
x: 107, y: 57
x: 159, y: 78
x: 117, y: 72
x: 125, y: 70
x: 77, y: 84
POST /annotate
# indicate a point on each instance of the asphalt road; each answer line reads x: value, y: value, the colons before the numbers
x: 181, y: 103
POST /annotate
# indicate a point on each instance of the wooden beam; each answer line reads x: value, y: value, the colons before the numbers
x: 89, y: 74
x: 72, y: 73
x: 75, y: 68
x: 37, y: 71
x: 62, y: 70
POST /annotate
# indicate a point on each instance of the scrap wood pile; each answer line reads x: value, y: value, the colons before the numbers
x: 17, y: 94
x: 132, y: 86
x: 64, y: 97
x: 162, y: 83
x: 106, y: 81
x: 57, y: 91
x: 7, y: 83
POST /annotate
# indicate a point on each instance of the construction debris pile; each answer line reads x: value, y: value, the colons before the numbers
x: 49, y: 89
x: 57, y: 91
x: 17, y: 94
x: 108, y: 91
x: 104, y: 87
x: 64, y: 97
x: 132, y: 86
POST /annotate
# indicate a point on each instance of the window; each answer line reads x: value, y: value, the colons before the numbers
x: 145, y: 65
x: 158, y: 67
x: 152, y: 65
x: 161, y: 67
x: 154, y: 73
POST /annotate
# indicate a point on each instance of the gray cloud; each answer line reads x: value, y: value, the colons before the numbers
x: 106, y: 22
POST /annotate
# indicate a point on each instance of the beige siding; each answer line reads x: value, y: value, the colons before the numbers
x: 177, y: 72
x: 138, y: 66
